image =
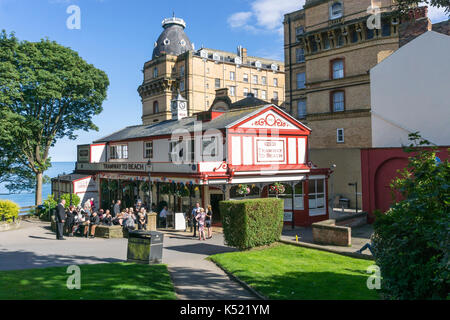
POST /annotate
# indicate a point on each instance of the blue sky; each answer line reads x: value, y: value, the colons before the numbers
x: 117, y: 36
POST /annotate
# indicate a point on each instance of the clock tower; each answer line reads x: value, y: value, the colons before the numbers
x: 179, y: 107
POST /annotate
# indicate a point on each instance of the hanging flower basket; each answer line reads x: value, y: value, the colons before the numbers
x: 277, y: 188
x: 243, y: 190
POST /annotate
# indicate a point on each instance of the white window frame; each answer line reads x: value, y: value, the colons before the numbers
x: 313, y: 210
x: 215, y: 83
x: 275, y: 82
x: 263, y: 94
x: 232, y: 91
x: 245, y: 77
x: 148, y: 149
x: 275, y: 95
x: 118, y: 151
x: 232, y: 75
x: 338, y: 73
x: 340, y: 102
x: 263, y: 80
x: 340, y: 135
x: 255, y: 79
x: 336, y: 15
x: 246, y: 92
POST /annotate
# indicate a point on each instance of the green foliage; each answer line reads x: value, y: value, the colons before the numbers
x: 8, y: 210
x: 403, y: 6
x: 253, y: 222
x: 47, y: 92
x: 75, y: 199
x: 412, y: 239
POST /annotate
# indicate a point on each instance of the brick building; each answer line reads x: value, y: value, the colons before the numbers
x: 176, y: 65
x: 329, y: 51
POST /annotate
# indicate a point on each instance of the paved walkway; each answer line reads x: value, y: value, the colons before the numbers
x: 34, y: 246
x: 360, y: 236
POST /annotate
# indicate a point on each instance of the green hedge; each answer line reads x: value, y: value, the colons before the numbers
x: 8, y: 210
x: 253, y: 222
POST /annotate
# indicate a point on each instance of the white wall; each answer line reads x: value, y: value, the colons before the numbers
x: 410, y: 91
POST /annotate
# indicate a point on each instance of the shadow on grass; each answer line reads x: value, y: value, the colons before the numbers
x: 98, y: 282
x: 311, y: 286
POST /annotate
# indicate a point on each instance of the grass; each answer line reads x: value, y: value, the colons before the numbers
x: 287, y: 272
x: 114, y: 281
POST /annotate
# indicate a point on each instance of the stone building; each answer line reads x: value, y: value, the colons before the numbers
x: 177, y: 66
x: 329, y: 51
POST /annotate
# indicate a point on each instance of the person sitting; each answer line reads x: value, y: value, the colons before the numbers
x: 78, y: 219
x: 70, y: 220
x: 142, y: 221
x: 129, y: 223
x: 101, y: 214
x: 107, y: 219
x: 94, y: 221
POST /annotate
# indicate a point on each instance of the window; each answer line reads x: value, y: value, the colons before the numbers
x: 336, y: 10
x: 255, y: 79
x: 300, y: 55
x: 301, y: 109
x: 255, y: 92
x: 340, y: 41
x: 340, y: 135
x: 148, y: 150
x: 182, y: 71
x: 182, y: 85
x: 275, y: 82
x: 182, y: 150
x: 155, y: 72
x: 275, y: 95
x: 301, y: 78
x: 326, y: 42
x: 232, y: 75
x: 245, y: 79
x: 217, y: 83
x: 299, y: 31
x: 316, y: 195
x: 155, y: 107
x: 337, y: 71
x: 263, y: 94
x: 232, y: 91
x: 119, y: 152
x: 209, y: 147
x: 264, y: 80
x: 207, y: 85
x: 245, y: 92
x: 369, y: 33
x: 338, y: 101
x: 386, y: 29
x: 354, y: 36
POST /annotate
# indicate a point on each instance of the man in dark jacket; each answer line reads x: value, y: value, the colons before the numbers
x: 94, y: 221
x: 60, y: 218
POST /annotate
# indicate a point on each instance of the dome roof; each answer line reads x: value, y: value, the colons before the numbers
x: 173, y: 40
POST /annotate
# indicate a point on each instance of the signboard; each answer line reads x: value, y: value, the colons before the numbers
x: 83, y: 153
x: 85, y: 185
x: 270, y: 151
x: 126, y: 166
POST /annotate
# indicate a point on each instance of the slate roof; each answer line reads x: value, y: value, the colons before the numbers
x: 173, y: 40
x: 169, y: 126
x: 249, y: 101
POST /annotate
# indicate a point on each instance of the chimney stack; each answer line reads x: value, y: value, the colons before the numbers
x: 415, y: 25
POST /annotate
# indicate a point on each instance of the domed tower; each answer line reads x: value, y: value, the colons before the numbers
x: 173, y: 40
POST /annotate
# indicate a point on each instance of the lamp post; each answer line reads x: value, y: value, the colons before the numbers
x: 356, y: 193
x: 332, y: 168
x: 149, y: 164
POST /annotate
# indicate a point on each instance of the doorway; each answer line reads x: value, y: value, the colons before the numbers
x: 215, y: 199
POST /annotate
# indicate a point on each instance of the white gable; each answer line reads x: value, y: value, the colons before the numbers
x: 268, y: 120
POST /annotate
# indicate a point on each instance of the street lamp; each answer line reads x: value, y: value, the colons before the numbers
x: 149, y: 164
x: 356, y: 193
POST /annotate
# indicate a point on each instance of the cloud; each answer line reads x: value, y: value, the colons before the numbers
x: 437, y: 14
x: 265, y: 15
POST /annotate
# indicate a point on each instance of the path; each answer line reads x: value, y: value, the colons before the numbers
x: 34, y: 246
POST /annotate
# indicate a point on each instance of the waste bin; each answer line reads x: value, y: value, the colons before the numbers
x: 145, y: 247
x: 344, y: 203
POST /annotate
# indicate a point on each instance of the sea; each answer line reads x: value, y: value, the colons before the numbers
x: 26, y: 199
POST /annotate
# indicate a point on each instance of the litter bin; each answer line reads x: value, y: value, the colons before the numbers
x: 344, y: 203
x: 145, y: 247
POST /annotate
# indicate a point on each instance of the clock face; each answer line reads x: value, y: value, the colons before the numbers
x: 183, y: 105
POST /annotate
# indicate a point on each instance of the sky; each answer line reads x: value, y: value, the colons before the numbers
x: 117, y: 36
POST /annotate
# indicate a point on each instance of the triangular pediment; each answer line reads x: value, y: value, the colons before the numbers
x: 271, y: 118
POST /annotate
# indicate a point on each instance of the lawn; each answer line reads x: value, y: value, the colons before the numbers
x: 114, y: 281
x: 296, y: 273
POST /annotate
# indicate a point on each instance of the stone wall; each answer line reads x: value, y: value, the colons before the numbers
x: 327, y: 233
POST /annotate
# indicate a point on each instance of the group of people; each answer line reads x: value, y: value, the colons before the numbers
x: 203, y: 219
x: 84, y: 220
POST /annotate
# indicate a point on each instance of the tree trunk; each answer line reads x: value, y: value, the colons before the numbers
x: 38, y: 197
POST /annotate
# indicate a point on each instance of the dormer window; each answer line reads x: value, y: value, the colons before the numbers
x: 336, y: 10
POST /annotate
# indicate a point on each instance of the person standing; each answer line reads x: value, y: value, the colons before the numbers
x: 163, y: 217
x: 60, y: 218
x: 208, y: 221
x: 116, y: 209
x: 194, y: 213
x: 201, y: 217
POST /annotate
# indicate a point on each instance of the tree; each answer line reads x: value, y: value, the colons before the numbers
x: 47, y: 92
x: 403, y: 6
x: 411, y: 241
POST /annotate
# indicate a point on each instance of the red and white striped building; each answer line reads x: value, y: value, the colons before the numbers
x: 212, y: 154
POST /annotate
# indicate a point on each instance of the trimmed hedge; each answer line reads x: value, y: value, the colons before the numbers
x: 253, y: 222
x: 8, y: 210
